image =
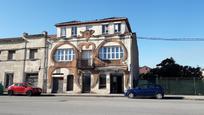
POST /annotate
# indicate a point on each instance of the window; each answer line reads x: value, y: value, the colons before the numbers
x: 102, y: 81
x: 86, y: 54
x: 63, y: 32
x: 32, y: 54
x: 64, y: 54
x: 111, y: 53
x: 8, y: 79
x: 117, y: 28
x: 32, y: 78
x: 74, y: 31
x: 11, y: 54
x: 105, y: 29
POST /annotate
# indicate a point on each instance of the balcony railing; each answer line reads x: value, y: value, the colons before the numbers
x: 85, y: 64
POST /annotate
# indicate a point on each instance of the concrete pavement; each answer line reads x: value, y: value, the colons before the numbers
x: 70, y: 105
x: 187, y: 97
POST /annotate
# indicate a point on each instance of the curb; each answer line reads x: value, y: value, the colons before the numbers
x: 166, y: 97
x: 84, y: 95
x: 173, y: 97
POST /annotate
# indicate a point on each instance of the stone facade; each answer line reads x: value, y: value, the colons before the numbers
x: 99, y: 56
x: 23, y: 59
x: 118, y: 74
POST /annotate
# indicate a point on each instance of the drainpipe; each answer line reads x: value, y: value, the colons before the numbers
x: 45, y: 62
x: 25, y: 55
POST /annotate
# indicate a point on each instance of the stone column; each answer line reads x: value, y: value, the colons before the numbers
x: 65, y: 83
x: 108, y: 83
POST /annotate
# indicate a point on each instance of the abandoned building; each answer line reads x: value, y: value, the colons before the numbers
x: 23, y: 59
x: 99, y: 56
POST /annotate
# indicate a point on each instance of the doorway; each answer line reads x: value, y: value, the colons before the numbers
x: 116, y: 83
x: 8, y: 79
x: 57, y: 85
x: 86, y: 83
x: 70, y: 81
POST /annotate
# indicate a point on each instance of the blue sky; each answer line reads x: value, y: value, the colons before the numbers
x: 148, y: 18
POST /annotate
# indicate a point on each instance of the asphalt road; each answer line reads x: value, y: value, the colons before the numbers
x: 63, y: 105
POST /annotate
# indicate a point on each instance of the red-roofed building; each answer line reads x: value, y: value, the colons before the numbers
x: 144, y: 70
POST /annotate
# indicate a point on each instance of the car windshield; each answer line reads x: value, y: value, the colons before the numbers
x: 27, y: 84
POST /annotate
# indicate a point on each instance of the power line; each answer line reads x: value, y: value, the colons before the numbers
x: 171, y: 39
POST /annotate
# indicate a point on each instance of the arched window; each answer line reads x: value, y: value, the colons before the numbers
x: 111, y: 53
x: 64, y: 54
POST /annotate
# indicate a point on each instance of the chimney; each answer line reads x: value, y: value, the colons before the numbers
x: 25, y: 34
x: 45, y: 34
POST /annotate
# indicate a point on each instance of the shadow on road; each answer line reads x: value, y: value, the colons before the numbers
x: 43, y: 95
x: 165, y: 98
x: 173, y: 98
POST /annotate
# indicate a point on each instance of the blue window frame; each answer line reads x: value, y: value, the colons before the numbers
x: 64, y: 54
x: 74, y: 31
x: 63, y: 32
x: 105, y: 29
x: 111, y: 53
x: 117, y: 27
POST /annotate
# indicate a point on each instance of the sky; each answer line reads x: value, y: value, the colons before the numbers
x: 148, y: 18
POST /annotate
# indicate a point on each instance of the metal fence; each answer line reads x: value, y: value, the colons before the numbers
x: 179, y: 86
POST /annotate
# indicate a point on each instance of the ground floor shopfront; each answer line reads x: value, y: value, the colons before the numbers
x: 89, y: 81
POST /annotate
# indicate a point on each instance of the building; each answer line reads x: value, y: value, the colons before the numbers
x: 99, y: 56
x: 144, y: 70
x: 22, y: 59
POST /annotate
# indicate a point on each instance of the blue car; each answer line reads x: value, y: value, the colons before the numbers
x: 146, y: 90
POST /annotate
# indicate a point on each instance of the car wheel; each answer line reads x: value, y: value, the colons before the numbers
x: 29, y: 93
x: 159, y: 96
x: 10, y: 92
x: 131, y: 95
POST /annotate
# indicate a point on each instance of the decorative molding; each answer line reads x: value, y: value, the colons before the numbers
x: 87, y: 45
x: 87, y: 34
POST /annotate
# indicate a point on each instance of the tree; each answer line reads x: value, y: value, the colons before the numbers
x: 169, y: 68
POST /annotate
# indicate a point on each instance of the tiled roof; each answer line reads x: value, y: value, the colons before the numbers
x: 35, y: 36
x: 16, y: 39
x: 92, y: 21
x: 54, y: 36
x: 104, y: 20
x: 20, y: 39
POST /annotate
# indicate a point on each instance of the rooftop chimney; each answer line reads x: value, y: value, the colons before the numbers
x: 45, y: 33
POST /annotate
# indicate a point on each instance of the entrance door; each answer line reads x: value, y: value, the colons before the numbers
x: 8, y: 79
x: 116, y: 83
x: 70, y: 81
x: 86, y: 83
x: 57, y: 85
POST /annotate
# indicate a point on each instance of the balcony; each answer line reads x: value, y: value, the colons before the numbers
x: 85, y: 64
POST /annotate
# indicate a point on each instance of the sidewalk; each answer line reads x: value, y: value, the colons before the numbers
x: 177, y: 97
x: 83, y: 95
x: 185, y: 97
